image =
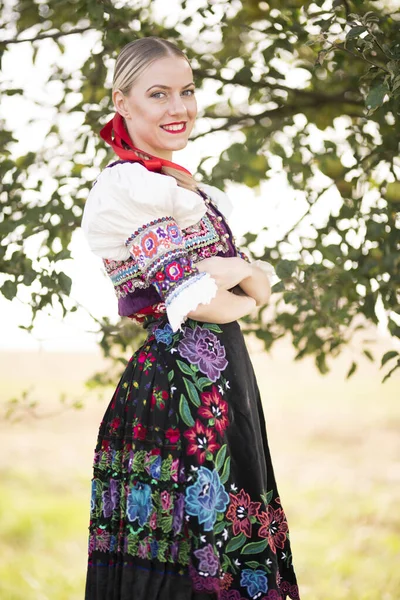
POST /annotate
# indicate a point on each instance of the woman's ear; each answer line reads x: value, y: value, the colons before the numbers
x: 120, y: 104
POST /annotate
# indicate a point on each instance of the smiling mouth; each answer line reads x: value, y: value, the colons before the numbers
x: 174, y: 127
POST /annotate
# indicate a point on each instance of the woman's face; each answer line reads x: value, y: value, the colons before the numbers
x: 161, y: 107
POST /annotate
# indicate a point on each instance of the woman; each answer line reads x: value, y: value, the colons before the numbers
x: 184, y: 500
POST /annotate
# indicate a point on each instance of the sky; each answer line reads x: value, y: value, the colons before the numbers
x: 274, y: 204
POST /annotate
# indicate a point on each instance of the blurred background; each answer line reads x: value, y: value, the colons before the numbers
x: 299, y: 123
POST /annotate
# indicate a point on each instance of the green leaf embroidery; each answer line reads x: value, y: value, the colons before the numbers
x: 254, y: 547
x: 219, y: 527
x: 212, y: 327
x: 226, y: 471
x: 185, y: 413
x: 170, y: 375
x: 166, y: 469
x: 138, y: 461
x: 253, y: 564
x: 236, y: 542
x: 219, y: 459
x: 202, y: 382
x: 184, y: 368
x: 165, y: 523
x: 192, y: 392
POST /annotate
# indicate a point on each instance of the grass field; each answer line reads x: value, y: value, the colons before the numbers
x: 336, y: 451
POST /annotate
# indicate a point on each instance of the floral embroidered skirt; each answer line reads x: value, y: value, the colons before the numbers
x: 184, y: 502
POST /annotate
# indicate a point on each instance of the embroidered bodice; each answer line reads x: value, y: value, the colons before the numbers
x: 150, y: 234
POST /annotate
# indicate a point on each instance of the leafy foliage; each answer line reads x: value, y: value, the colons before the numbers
x: 341, y: 267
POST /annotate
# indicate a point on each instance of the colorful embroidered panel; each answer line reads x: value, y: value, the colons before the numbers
x: 158, y: 250
x: 209, y: 237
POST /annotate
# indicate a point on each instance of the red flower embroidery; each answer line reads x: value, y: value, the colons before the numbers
x: 202, y: 440
x: 139, y: 432
x: 214, y: 407
x: 135, y: 251
x: 226, y: 581
x: 115, y: 423
x: 158, y: 398
x: 240, y: 510
x: 274, y: 527
x: 172, y: 435
x: 174, y: 271
x: 150, y: 244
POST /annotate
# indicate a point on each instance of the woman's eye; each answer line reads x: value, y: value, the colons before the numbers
x: 157, y: 95
x: 189, y: 92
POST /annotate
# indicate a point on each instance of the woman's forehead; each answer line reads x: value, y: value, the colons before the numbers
x: 171, y: 71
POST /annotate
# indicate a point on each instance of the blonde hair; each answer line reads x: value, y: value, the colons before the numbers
x: 133, y: 59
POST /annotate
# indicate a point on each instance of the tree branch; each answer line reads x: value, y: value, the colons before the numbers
x: 45, y: 36
x: 276, y: 113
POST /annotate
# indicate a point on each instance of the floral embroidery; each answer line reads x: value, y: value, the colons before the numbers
x: 274, y: 526
x: 241, y: 511
x: 215, y: 409
x: 170, y: 476
x: 164, y: 335
x: 202, y: 442
x: 159, y: 252
x: 209, y: 563
x: 139, y: 503
x: 206, y: 497
x: 255, y: 581
x: 202, y: 348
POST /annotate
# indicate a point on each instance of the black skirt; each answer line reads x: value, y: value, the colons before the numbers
x: 184, y: 500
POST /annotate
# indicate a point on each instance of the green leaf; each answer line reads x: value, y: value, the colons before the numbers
x: 64, y: 282
x: 185, y: 413
x: 388, y: 356
x: 355, y: 32
x: 285, y: 268
x: 368, y: 354
x: 184, y: 368
x: 170, y: 375
x: 212, y: 327
x: 236, y: 542
x: 376, y: 96
x: 203, y: 382
x: 9, y: 289
x: 219, y: 459
x: 226, y: 470
x: 219, y: 527
x: 278, y: 287
x: 253, y: 564
x: 352, y: 370
x: 192, y: 392
x: 254, y: 547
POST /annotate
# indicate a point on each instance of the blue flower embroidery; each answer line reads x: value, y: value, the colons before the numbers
x: 255, y: 581
x: 164, y: 335
x: 155, y: 469
x: 139, y: 503
x: 206, y: 497
x: 154, y: 548
x: 93, y: 496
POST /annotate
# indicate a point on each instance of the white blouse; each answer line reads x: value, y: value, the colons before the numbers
x: 131, y: 211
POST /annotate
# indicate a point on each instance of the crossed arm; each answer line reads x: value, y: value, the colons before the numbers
x: 228, y: 273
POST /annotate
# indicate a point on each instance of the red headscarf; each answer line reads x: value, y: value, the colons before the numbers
x: 114, y: 133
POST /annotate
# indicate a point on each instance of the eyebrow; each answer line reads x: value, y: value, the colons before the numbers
x: 166, y: 87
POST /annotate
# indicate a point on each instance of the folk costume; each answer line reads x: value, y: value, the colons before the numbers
x: 184, y: 501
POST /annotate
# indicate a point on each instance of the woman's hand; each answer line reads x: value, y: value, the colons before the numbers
x: 229, y: 272
x: 226, y: 271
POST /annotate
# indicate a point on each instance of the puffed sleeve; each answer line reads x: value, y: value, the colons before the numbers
x: 132, y: 212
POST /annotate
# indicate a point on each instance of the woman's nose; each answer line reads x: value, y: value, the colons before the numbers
x: 176, y: 105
